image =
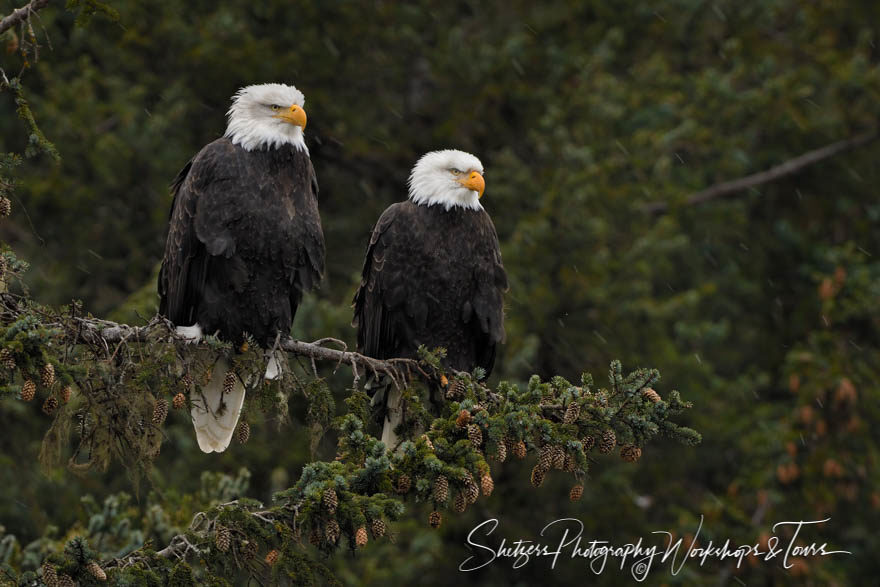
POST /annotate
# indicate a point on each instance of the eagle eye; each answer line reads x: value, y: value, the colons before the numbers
x: 455, y: 171
x: 276, y: 107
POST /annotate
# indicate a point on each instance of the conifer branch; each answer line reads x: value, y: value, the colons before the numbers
x: 790, y: 167
x: 21, y: 14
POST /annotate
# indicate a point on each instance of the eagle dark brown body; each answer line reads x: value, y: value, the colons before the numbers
x: 432, y: 277
x: 244, y: 241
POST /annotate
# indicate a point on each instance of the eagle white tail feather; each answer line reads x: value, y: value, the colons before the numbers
x: 393, y: 417
x: 215, y: 414
x: 274, y: 365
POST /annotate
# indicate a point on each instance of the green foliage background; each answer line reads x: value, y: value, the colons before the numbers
x: 762, y: 308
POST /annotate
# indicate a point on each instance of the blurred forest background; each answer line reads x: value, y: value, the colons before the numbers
x: 761, y: 307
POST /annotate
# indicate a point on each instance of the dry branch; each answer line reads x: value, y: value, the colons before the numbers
x: 21, y: 14
x: 787, y: 168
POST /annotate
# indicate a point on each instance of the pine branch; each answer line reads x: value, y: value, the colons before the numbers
x: 790, y: 167
x: 21, y: 14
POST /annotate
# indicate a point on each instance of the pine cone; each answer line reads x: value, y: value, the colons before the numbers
x: 330, y: 500
x: 435, y: 519
x: 570, y: 463
x: 248, y: 550
x: 222, y: 538
x: 160, y: 411
x: 50, y: 405
x: 186, y: 382
x: 630, y: 453
x: 476, y: 436
x: 378, y: 527
x: 459, y: 504
x: 28, y: 390
x: 545, y: 457
x: 607, y: 442
x: 66, y: 392
x: 96, y: 571
x: 537, y: 476
x: 65, y: 581
x: 576, y: 492
x: 229, y: 382
x: 464, y: 417
x: 501, y: 452
x: 519, y: 450
x: 5, y: 206
x: 7, y: 358
x: 332, y: 531
x: 272, y: 557
x: 487, y: 485
x: 50, y: 575
x: 456, y: 390
x: 403, y: 484
x: 471, y: 490
x: 179, y: 401
x: 315, y: 536
x: 589, y: 442
x: 558, y: 457
x: 572, y: 412
x: 652, y: 395
x: 243, y: 432
x: 47, y: 375
x: 360, y: 537
x: 441, y: 489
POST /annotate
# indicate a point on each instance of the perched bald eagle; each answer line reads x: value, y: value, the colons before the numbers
x: 244, y: 242
x: 433, y: 274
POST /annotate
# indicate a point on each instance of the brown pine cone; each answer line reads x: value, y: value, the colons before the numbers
x: 545, y: 457
x: 7, y: 358
x: 360, y: 537
x: 332, y: 531
x: 607, y: 442
x: 222, y: 538
x: 403, y: 484
x: 378, y: 527
x: 179, y: 401
x: 186, y: 382
x: 243, y: 432
x: 589, y: 442
x: 558, y: 457
x: 471, y: 490
x: 570, y: 463
x: 456, y: 390
x: 630, y: 453
x: 271, y: 557
x: 330, y: 500
x: 96, y: 571
x: 572, y: 412
x: 5, y: 204
x: 487, y: 484
x: 50, y: 575
x: 651, y: 395
x: 441, y: 489
x: 464, y: 417
x: 476, y: 436
x: 459, y: 504
x: 66, y: 392
x: 28, y: 390
x: 435, y: 519
x: 519, y: 450
x: 47, y: 375
x: 160, y: 411
x: 537, y: 476
x: 229, y: 382
x: 576, y: 492
x: 65, y: 581
x: 501, y: 452
x: 50, y: 405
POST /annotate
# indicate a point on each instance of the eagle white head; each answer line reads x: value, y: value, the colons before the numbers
x: 449, y: 178
x: 267, y: 116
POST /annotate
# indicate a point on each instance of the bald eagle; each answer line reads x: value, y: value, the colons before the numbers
x: 244, y: 242
x: 433, y: 274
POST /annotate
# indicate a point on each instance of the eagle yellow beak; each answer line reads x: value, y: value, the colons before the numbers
x: 295, y: 115
x: 474, y: 182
